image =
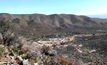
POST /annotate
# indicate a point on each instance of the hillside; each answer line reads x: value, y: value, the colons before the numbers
x: 41, y: 24
x: 57, y: 39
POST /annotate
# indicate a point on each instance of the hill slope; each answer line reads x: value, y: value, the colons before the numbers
x: 41, y: 24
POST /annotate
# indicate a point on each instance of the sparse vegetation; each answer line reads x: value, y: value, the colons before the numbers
x: 52, y: 44
x: 6, y: 33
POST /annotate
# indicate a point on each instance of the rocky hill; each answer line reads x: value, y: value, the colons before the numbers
x: 40, y: 23
x: 57, y: 39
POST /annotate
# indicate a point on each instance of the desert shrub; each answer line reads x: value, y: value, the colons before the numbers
x: 14, y: 50
x: 48, y: 56
x: 46, y: 60
x: 1, y: 51
x: 58, y: 59
x: 45, y: 49
x: 76, y: 32
x: 4, y: 26
x: 50, y: 36
x: 73, y: 62
x: 67, y: 61
x: 34, y: 59
x: 21, y: 51
x: 5, y: 30
x: 62, y: 61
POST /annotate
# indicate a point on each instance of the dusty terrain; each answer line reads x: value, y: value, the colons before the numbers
x: 57, y: 39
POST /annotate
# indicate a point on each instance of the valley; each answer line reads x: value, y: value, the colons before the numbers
x: 57, y: 39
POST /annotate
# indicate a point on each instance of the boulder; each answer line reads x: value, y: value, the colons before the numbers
x: 26, y: 62
x: 36, y: 64
x: 8, y: 63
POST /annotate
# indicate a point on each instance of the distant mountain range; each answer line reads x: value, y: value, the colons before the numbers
x: 104, y: 16
x: 41, y: 23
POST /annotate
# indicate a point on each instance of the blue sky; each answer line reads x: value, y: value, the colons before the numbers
x: 78, y: 7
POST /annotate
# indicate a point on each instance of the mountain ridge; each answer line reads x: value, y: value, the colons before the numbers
x: 53, y: 22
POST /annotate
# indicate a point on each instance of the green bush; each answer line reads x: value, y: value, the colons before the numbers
x: 5, y: 30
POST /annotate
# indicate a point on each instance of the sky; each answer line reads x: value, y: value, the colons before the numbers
x: 78, y: 7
